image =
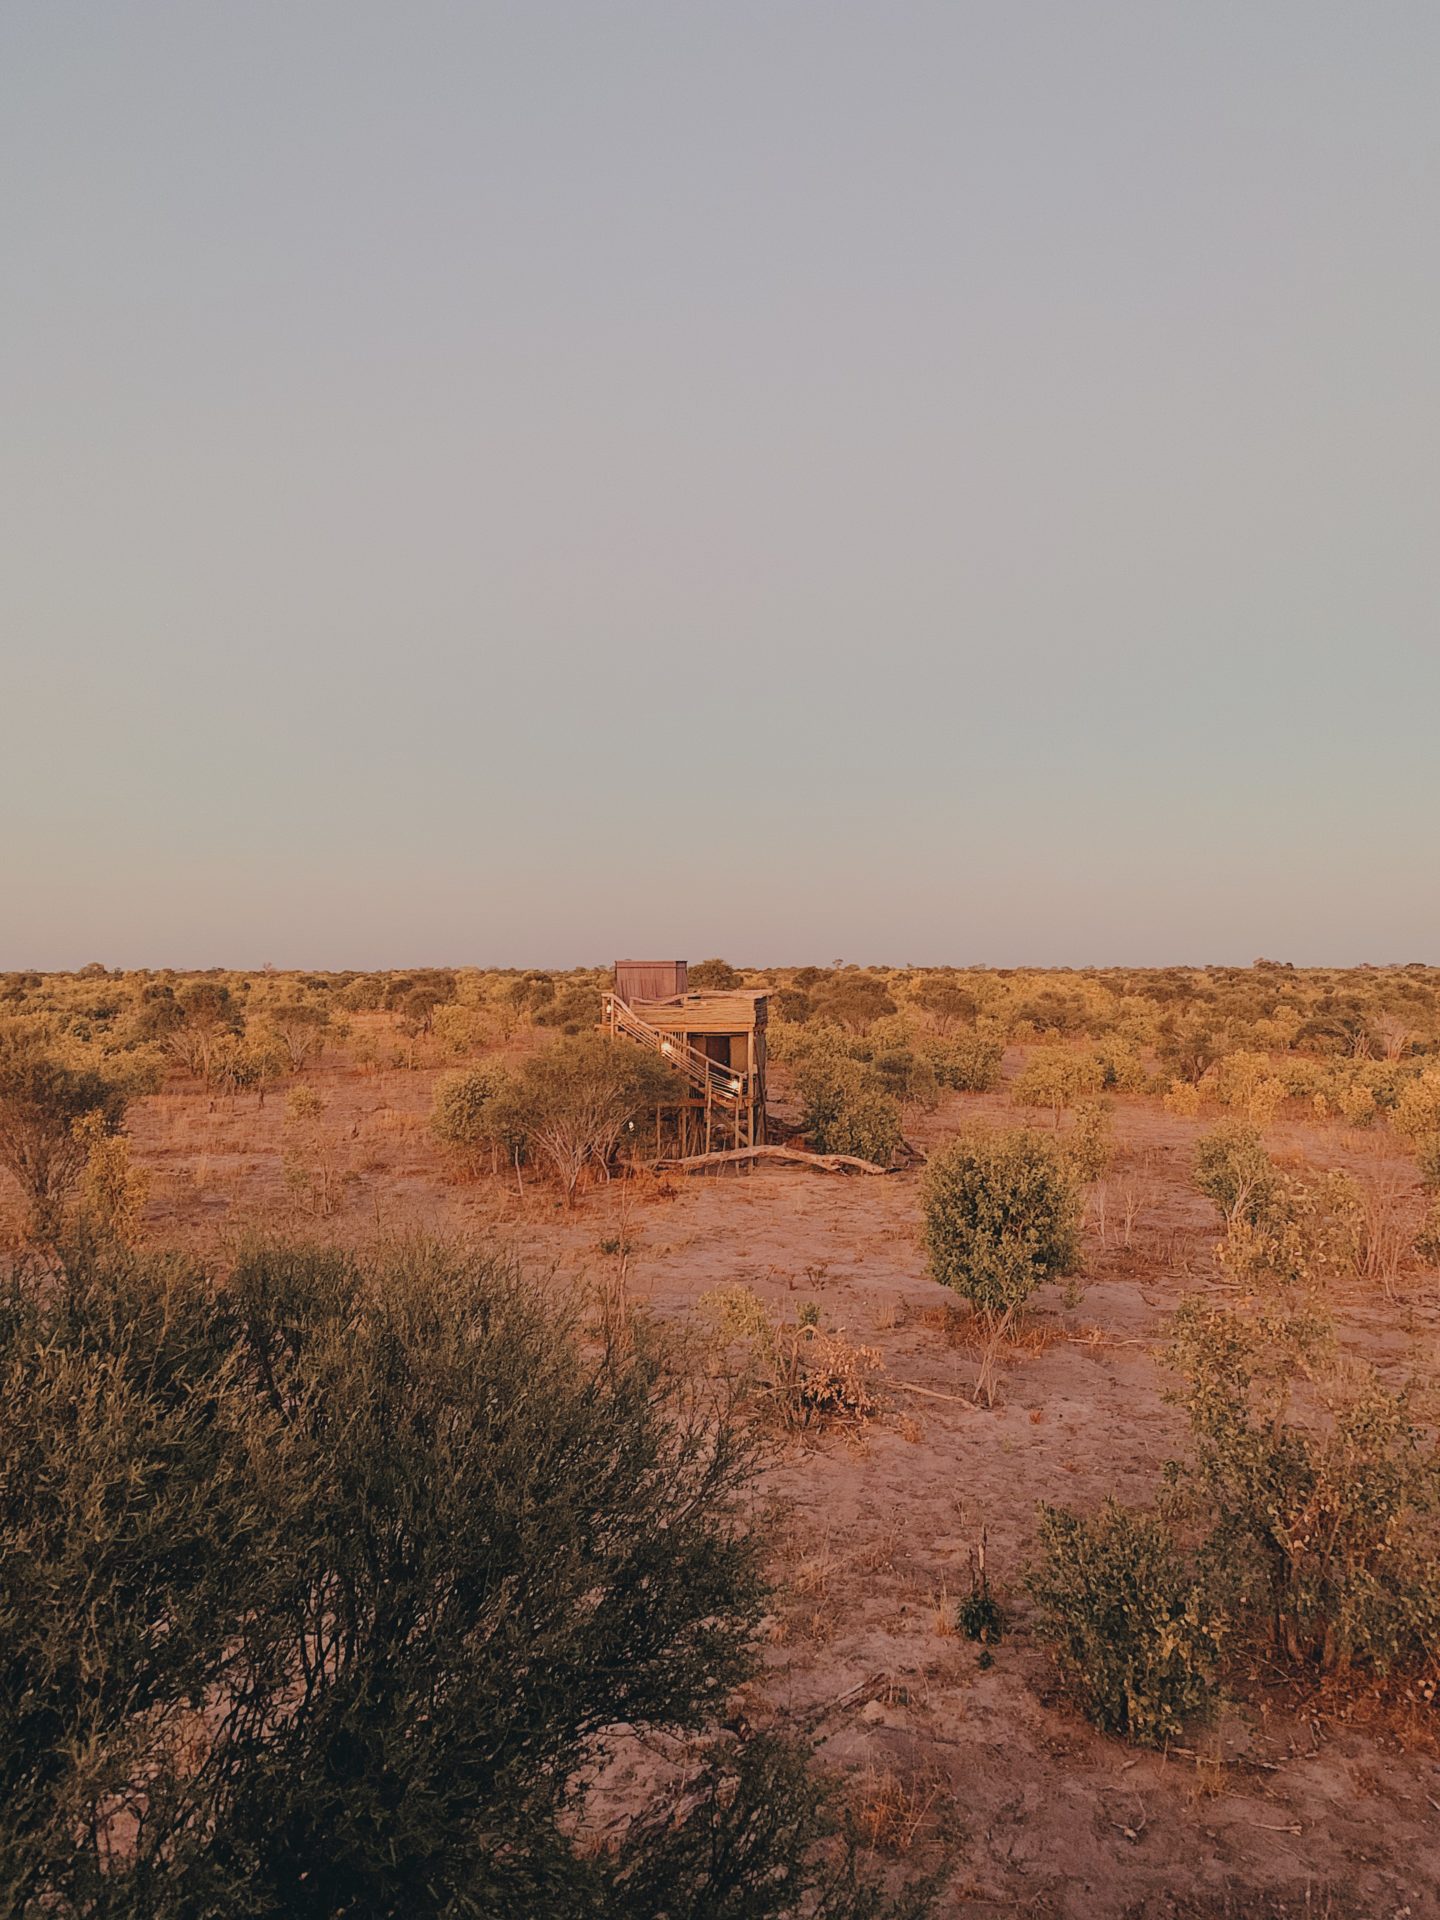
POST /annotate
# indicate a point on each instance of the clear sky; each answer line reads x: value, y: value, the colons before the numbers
x: 916, y: 482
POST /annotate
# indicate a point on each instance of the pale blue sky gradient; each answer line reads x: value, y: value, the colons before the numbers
x: 516, y: 483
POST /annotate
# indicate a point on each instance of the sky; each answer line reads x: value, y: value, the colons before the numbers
x: 930, y: 483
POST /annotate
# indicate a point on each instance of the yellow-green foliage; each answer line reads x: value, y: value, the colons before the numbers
x: 803, y: 1373
x: 1318, y: 1488
x: 1135, y: 1634
x: 1280, y: 1228
x: 1058, y: 1077
x: 1090, y: 1143
x: 113, y: 1191
x: 1417, y: 1105
x: 1002, y: 1212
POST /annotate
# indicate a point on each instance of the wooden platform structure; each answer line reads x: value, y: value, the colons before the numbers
x: 714, y: 1041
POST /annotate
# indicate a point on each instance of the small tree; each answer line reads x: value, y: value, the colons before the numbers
x: 574, y: 1102
x: 852, y: 1000
x: 1058, y: 1077
x: 300, y: 1032
x: 714, y: 976
x: 50, y: 1115
x: 208, y: 1017
x: 946, y: 1001
x: 1002, y: 1212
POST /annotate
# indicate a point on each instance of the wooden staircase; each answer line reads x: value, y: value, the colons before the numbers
x: 719, y: 1091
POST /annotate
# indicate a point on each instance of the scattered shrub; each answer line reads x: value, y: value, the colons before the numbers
x: 1417, y: 1105
x: 300, y: 1031
x: 1318, y: 1488
x: 50, y: 1117
x: 1181, y: 1098
x: 1057, y: 1077
x: 805, y: 1375
x: 1090, y: 1144
x: 851, y: 1000
x: 714, y: 976
x: 1278, y: 1227
x: 1001, y: 1214
x: 473, y: 1116
x: 967, y: 1063
x: 844, y: 1105
x: 508, y: 1543
x: 1134, y: 1634
x: 576, y: 1101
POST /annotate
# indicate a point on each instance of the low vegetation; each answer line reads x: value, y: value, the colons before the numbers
x: 325, y: 1591
x: 1001, y: 1215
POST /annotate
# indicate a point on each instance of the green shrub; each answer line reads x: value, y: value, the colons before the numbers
x: 1317, y: 1486
x: 967, y: 1063
x: 1427, y: 1241
x: 1232, y: 1168
x: 50, y: 1114
x: 1090, y: 1144
x: 844, y: 1105
x: 1133, y: 1633
x: 300, y: 1030
x: 339, y: 1572
x: 1057, y: 1077
x: 573, y: 1009
x: 851, y: 1000
x: 576, y: 1101
x: 1279, y: 1228
x: 714, y: 976
x: 472, y: 1116
x: 1427, y: 1160
x: 1002, y: 1212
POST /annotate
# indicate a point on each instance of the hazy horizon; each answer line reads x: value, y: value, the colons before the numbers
x: 936, y: 483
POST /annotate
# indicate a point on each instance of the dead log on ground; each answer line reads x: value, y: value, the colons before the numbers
x: 826, y: 1162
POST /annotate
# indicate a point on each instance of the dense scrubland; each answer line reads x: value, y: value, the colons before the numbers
x: 414, y: 1501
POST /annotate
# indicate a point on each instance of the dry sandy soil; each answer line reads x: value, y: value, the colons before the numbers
x: 1310, y: 1804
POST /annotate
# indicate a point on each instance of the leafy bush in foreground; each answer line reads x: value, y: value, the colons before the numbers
x: 1002, y: 1213
x: 1134, y: 1634
x: 321, y: 1592
x: 1318, y: 1488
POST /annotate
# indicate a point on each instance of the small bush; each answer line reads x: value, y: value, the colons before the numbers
x: 1134, y: 1636
x: 1317, y: 1486
x: 507, y: 1540
x: 1090, y: 1144
x: 844, y: 1104
x: 1002, y: 1213
x: 969, y: 1063
x: 1232, y: 1168
x: 1278, y: 1228
x: 471, y: 1117
x: 805, y: 1375
x: 1417, y: 1106
x: 714, y: 976
x: 1057, y: 1077
x: 575, y: 1102
x: 50, y: 1117
x: 1427, y: 1160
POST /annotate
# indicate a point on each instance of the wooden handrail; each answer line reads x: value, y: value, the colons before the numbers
x: 724, y: 1085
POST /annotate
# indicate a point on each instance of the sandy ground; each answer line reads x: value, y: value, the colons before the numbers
x: 1305, y: 1805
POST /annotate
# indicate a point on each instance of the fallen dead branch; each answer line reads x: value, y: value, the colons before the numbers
x: 796, y: 1156
x: 933, y: 1393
